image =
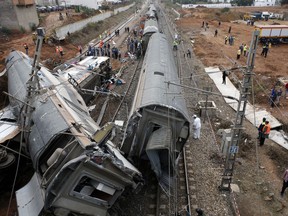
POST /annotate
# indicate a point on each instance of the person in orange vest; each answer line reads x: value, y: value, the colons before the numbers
x: 265, y: 132
x: 61, y: 51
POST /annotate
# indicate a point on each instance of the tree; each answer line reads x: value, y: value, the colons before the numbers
x: 283, y: 2
x: 244, y: 2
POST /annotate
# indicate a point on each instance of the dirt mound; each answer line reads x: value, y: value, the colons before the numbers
x: 224, y: 14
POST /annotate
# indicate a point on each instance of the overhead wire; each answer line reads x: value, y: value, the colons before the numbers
x: 256, y: 144
x: 173, y: 199
x: 16, y: 172
x: 276, y: 105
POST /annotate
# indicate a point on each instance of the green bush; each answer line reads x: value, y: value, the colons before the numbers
x: 88, y: 11
x: 22, y: 29
x: 104, y: 7
x: 224, y: 10
x: 33, y: 26
x: 5, y: 30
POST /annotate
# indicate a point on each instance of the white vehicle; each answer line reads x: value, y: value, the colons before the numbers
x: 265, y: 15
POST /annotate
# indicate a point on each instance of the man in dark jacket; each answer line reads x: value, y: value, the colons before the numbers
x: 262, y: 124
x: 265, y: 132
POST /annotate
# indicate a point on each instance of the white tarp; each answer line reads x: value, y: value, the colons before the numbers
x: 252, y: 114
x: 30, y: 198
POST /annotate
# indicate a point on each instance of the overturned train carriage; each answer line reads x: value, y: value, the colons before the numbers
x: 158, y: 126
x: 77, y: 168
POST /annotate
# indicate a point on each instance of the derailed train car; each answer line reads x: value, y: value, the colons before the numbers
x: 77, y: 169
x: 152, y: 12
x: 88, y: 75
x: 159, y: 124
x: 150, y: 27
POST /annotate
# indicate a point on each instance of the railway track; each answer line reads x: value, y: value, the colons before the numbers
x: 179, y: 201
x: 153, y: 201
x: 184, y: 197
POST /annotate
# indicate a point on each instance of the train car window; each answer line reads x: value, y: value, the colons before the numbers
x: 91, y: 188
x: 159, y: 73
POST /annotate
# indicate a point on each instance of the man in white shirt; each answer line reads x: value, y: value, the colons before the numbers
x: 196, y: 127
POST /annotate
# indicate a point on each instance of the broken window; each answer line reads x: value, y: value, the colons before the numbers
x: 92, y: 188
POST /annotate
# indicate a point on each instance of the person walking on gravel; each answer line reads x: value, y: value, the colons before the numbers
x: 265, y: 132
x: 285, y: 182
x: 260, y: 128
x: 196, y: 127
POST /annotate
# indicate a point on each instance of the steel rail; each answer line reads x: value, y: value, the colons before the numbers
x: 128, y: 89
x: 180, y: 74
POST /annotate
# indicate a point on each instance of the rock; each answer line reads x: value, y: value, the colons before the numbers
x: 267, y: 198
x: 261, y: 167
x: 235, y: 188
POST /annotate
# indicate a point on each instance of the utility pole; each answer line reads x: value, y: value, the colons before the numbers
x: 32, y: 87
x: 208, y: 89
x: 245, y: 91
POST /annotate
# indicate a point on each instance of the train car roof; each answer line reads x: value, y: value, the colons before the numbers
x: 152, y: 7
x: 158, y: 67
x: 151, y: 26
